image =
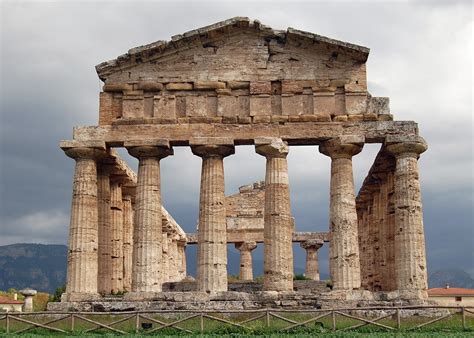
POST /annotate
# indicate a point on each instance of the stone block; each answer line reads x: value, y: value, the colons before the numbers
x: 324, y: 103
x: 164, y: 107
x: 291, y: 87
x: 106, y: 110
x: 132, y: 107
x: 238, y: 84
x: 260, y: 105
x: 356, y: 103
x: 117, y: 87
x: 227, y: 105
x: 206, y: 85
x: 149, y: 86
x: 261, y: 119
x: 280, y: 118
x: 379, y: 105
x: 196, y: 106
x: 260, y: 87
x: 370, y: 117
x: 340, y: 118
x: 179, y: 86
x: 292, y: 104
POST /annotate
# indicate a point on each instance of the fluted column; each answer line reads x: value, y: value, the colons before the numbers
x: 182, y: 259
x: 104, y: 254
x: 165, y: 272
x: 127, y: 241
x: 147, y: 232
x: 312, y: 265
x: 212, y: 232
x: 278, y: 224
x: 410, y: 256
x: 173, y: 260
x: 116, y: 238
x: 246, y: 268
x: 82, y: 272
x: 343, y: 248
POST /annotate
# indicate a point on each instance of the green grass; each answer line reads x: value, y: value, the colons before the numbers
x: 451, y: 327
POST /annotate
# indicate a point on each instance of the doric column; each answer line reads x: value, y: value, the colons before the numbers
x: 246, y: 269
x: 104, y: 254
x: 165, y: 271
x: 182, y: 258
x: 83, y: 231
x: 212, y: 232
x: 116, y: 238
x: 343, y: 247
x: 410, y: 256
x: 278, y: 223
x: 127, y: 241
x: 173, y: 259
x: 147, y: 251
x: 312, y: 267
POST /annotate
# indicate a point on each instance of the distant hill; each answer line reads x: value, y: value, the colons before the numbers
x: 454, y: 277
x: 41, y: 267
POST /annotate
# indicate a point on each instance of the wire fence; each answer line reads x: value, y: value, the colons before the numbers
x: 408, y: 318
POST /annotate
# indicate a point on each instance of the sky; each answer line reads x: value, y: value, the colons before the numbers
x: 421, y: 57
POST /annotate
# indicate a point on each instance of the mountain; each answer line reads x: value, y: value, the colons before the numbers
x: 41, y: 267
x: 454, y: 277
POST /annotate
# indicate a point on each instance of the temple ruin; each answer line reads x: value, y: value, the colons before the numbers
x: 239, y: 82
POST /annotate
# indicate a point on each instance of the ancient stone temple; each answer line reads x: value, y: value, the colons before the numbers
x: 212, y: 89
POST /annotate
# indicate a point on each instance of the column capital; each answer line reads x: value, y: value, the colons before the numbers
x: 149, y: 148
x: 246, y: 246
x: 342, y: 147
x: 411, y: 146
x: 213, y: 150
x: 315, y: 244
x: 271, y: 147
x: 84, y: 150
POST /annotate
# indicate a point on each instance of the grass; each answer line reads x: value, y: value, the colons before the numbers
x: 451, y: 327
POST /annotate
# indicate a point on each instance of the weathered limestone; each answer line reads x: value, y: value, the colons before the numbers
x: 344, y: 248
x: 212, y: 241
x: 312, y: 264
x: 410, y: 256
x: 278, y: 228
x: 182, y: 259
x: 246, y: 268
x: 174, y: 262
x: 104, y: 254
x: 116, y: 240
x: 83, y: 229
x: 147, y: 235
x: 28, y: 302
x: 127, y: 241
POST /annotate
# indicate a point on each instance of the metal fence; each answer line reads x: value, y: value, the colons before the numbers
x: 189, y: 321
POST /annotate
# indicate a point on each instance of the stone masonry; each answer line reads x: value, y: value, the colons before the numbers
x: 239, y: 82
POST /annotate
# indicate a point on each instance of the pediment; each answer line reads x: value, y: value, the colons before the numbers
x: 237, y: 49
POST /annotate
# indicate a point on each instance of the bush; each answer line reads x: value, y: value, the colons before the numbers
x: 300, y: 277
x: 57, y: 294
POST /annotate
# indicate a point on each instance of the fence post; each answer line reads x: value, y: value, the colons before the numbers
x: 72, y: 323
x: 267, y: 318
x: 398, y: 319
x: 463, y: 318
x: 201, y: 322
x: 7, y: 321
x: 333, y: 315
x: 137, y: 322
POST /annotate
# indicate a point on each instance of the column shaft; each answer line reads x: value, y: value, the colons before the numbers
x: 146, y: 270
x: 246, y: 268
x: 104, y: 254
x: 127, y: 242
x: 82, y: 273
x: 212, y: 236
x: 278, y: 223
x: 116, y: 217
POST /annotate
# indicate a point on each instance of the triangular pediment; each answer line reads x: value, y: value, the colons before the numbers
x: 237, y: 49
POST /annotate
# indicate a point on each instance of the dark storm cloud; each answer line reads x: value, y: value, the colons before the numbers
x: 420, y: 56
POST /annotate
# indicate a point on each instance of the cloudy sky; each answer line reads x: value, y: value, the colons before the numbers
x: 421, y: 57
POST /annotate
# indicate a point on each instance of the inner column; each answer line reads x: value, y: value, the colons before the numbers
x: 212, y: 231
